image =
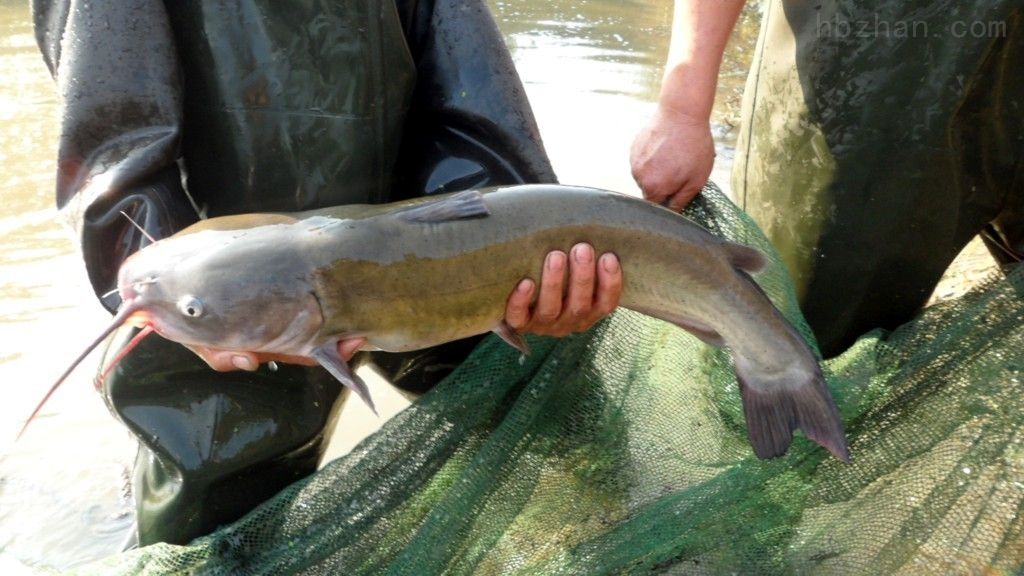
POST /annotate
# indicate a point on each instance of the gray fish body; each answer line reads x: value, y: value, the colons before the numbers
x: 411, y: 285
x: 417, y: 274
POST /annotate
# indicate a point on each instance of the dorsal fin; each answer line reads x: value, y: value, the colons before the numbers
x: 468, y: 204
x: 744, y: 257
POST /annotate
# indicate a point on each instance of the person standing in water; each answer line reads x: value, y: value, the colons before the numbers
x: 175, y: 110
x: 876, y: 141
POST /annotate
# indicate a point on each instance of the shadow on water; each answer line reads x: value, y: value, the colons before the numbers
x: 592, y: 70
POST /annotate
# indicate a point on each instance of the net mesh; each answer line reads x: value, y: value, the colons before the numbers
x: 624, y: 450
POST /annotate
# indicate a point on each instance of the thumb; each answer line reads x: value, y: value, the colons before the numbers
x: 226, y: 360
x: 348, y: 348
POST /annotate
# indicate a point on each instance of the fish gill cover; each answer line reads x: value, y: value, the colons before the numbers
x: 624, y: 450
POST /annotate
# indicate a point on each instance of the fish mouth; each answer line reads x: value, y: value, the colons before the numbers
x: 139, y: 318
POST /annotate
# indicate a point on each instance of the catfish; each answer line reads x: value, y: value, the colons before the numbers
x: 419, y: 273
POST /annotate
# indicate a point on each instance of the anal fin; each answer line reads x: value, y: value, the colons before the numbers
x: 705, y: 333
x: 327, y: 356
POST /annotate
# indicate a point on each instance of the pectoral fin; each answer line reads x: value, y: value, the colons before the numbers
x: 327, y: 356
x: 512, y: 338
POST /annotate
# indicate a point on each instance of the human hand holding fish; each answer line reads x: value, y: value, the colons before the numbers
x: 663, y: 174
x: 593, y: 292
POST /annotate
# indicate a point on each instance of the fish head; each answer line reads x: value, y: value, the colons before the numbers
x: 220, y: 289
x: 224, y: 290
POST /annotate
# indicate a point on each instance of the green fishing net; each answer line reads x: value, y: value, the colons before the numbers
x: 623, y: 450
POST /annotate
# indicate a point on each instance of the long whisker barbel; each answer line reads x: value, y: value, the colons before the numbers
x: 139, y: 228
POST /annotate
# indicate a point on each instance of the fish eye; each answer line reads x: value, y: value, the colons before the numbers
x: 190, y: 306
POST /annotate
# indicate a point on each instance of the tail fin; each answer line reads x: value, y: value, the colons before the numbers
x: 773, y: 410
x: 776, y: 405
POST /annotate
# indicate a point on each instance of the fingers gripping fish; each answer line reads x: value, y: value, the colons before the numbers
x: 416, y: 274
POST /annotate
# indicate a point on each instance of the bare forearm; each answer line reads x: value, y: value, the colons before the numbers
x: 700, y: 31
x: 673, y: 154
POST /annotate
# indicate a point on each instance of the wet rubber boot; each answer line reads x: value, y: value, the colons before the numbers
x: 213, y: 444
x: 876, y: 141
